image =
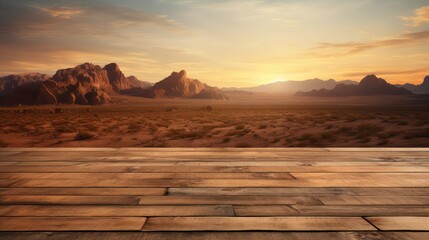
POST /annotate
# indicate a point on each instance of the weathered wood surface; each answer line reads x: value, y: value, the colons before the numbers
x: 174, y: 193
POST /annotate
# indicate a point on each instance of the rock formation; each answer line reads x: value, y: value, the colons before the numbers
x: 178, y: 85
x: 89, y: 84
x: 370, y: 85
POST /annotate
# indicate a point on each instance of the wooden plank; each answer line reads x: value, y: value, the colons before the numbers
x: 240, y: 200
x: 89, y: 176
x: 400, y: 223
x: 309, y: 210
x: 372, y: 235
x: 226, y: 167
x: 311, y: 182
x: 265, y: 210
x: 59, y: 149
x: 296, y: 167
x: 324, y: 182
x: 84, y: 191
x: 7, y: 182
x: 301, y: 191
x: 114, y: 211
x: 42, y: 199
x: 8, y: 153
x: 376, y: 200
x: 404, y: 235
x: 143, y: 175
x: 91, y: 183
x: 371, y: 149
x: 71, y: 224
x: 259, y: 223
x: 221, y: 156
x: 220, y: 149
x: 390, y: 176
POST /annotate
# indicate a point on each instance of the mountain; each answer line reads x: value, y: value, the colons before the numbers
x: 136, y: 83
x: 418, y: 89
x: 370, y: 85
x: 8, y: 83
x: 178, y: 85
x: 85, y: 84
x: 290, y: 87
x: 89, y: 84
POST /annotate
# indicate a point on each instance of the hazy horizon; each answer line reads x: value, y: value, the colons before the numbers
x: 222, y: 43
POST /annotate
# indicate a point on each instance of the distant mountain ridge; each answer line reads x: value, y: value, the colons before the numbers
x: 136, y: 83
x: 89, y: 84
x: 369, y: 85
x: 10, y: 82
x: 422, y: 88
x: 292, y: 86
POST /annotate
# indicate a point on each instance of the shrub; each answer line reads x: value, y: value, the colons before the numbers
x: 83, y: 136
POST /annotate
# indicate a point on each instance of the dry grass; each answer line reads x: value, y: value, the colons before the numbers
x: 196, y: 126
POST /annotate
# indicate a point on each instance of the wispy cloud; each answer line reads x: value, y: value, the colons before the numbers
x: 85, y: 19
x: 421, y: 16
x: 349, y: 48
x: 61, y: 12
x: 386, y: 72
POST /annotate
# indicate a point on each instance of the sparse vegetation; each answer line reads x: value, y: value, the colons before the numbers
x: 197, y: 126
x: 83, y: 136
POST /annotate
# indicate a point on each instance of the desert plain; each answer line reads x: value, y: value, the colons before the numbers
x: 245, y: 120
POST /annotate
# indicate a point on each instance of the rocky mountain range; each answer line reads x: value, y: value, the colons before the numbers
x: 89, y: 84
x: 370, y: 85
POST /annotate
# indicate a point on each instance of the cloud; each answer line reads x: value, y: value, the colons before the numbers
x: 349, y: 48
x: 61, y: 12
x: 386, y: 72
x: 84, y: 19
x: 421, y: 15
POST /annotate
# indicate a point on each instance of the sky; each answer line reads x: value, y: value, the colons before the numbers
x: 224, y: 43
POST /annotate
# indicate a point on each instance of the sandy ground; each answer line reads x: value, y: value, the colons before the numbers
x: 244, y: 121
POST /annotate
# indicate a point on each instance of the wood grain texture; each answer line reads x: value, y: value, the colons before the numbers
x: 43, y: 199
x: 114, y: 211
x: 259, y: 223
x: 71, y: 224
x: 306, y: 191
x: 248, y: 235
x: 84, y: 191
x: 400, y: 223
x: 321, y: 210
x: 240, y: 200
x: 376, y: 200
x: 182, y: 191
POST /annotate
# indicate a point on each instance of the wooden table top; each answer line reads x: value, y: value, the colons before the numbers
x: 214, y: 193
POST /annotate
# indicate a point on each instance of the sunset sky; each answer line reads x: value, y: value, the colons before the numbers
x: 223, y: 43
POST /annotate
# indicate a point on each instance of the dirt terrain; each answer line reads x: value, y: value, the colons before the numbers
x: 246, y: 120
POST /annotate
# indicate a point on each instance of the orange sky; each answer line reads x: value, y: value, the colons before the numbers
x: 223, y: 43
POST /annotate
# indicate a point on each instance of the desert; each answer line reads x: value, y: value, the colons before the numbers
x: 243, y: 121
